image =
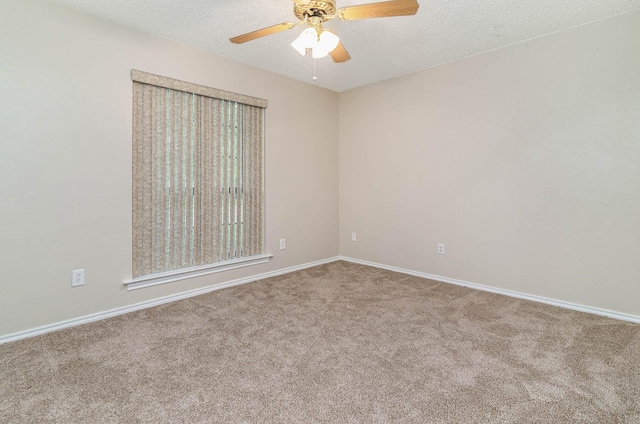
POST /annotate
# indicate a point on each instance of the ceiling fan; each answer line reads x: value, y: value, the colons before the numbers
x: 323, y: 42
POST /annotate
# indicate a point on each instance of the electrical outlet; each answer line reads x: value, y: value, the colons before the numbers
x: 354, y: 237
x: 77, y: 277
x: 283, y: 244
x: 440, y: 249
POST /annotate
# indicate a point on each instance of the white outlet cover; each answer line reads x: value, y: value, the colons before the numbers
x: 77, y: 277
x: 283, y: 244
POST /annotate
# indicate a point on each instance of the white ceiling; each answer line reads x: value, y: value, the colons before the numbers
x: 381, y: 48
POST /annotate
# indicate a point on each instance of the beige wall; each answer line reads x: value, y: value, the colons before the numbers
x: 524, y: 162
x: 65, y: 161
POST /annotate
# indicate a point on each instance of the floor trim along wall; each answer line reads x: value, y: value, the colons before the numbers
x: 155, y: 302
x: 562, y: 304
x: 184, y: 295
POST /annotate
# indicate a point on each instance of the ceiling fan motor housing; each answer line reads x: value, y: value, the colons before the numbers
x: 314, y: 8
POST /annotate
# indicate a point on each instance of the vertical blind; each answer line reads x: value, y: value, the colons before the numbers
x: 197, y: 179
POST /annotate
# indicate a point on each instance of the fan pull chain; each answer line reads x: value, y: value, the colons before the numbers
x: 314, y: 70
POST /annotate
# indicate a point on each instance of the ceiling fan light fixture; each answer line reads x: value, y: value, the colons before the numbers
x: 328, y: 41
x: 318, y: 52
x: 306, y: 40
x: 300, y: 46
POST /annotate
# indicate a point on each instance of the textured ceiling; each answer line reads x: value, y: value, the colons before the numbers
x: 382, y: 48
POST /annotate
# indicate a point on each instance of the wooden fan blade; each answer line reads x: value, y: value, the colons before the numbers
x: 261, y: 33
x: 339, y: 54
x: 379, y: 10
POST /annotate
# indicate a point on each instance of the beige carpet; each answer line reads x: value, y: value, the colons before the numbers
x: 339, y: 343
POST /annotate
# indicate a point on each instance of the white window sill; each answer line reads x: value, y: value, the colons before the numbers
x: 182, y: 274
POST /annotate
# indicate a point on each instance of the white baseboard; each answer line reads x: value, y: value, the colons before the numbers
x: 560, y: 303
x: 155, y: 302
x: 184, y: 295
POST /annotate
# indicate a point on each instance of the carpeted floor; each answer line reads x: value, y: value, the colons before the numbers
x: 339, y: 343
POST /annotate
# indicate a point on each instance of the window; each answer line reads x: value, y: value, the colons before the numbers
x: 197, y: 180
